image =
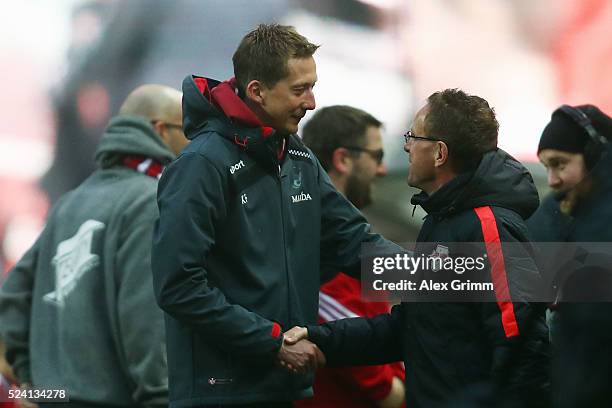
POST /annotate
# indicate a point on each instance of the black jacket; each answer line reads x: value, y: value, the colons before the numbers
x: 448, y: 347
x: 238, y: 248
x: 582, y: 332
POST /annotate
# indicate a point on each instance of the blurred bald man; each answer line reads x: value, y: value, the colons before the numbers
x: 77, y: 312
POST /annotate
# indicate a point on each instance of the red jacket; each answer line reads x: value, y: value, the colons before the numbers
x: 355, y: 387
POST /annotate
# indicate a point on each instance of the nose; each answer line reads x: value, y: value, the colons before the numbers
x: 407, y: 146
x: 309, y: 102
x: 381, y: 170
x: 553, y: 180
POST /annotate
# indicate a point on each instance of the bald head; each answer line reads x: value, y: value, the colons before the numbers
x: 155, y: 102
x: 162, y: 106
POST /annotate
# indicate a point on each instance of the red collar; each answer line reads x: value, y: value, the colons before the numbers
x: 224, y: 97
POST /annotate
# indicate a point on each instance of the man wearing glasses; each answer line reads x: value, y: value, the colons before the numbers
x: 348, y: 143
x: 497, y: 351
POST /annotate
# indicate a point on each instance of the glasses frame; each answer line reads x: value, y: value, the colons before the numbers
x: 377, y: 155
x: 167, y: 124
x: 408, y: 135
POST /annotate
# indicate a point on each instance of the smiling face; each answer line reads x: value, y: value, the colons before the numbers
x: 286, y: 103
x: 565, y: 170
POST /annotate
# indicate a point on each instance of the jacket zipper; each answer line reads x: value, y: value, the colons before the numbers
x: 280, y: 187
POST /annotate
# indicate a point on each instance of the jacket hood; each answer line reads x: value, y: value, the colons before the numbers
x: 126, y: 134
x: 499, y: 180
x: 211, y: 103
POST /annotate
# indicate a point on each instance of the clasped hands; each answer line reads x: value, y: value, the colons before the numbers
x: 298, y: 354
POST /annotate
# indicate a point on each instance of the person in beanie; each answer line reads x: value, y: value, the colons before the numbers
x: 576, y: 166
x: 575, y: 150
x: 77, y: 312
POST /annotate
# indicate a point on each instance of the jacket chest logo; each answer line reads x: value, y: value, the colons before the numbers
x: 301, y: 197
x: 234, y: 168
x: 297, y: 180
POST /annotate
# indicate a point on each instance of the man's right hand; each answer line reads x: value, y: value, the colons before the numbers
x: 301, y: 357
x: 295, y: 334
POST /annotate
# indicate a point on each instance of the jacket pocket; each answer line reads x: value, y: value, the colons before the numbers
x: 213, y: 370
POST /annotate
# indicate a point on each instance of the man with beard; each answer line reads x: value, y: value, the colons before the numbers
x: 575, y: 149
x: 347, y: 141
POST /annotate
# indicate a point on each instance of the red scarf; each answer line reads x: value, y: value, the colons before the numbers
x: 144, y: 165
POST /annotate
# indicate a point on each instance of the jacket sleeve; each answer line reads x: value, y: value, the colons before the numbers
x: 360, y: 340
x: 192, y: 200
x: 140, y: 321
x: 343, y: 231
x: 515, y: 327
x: 15, y: 309
x: 341, y: 297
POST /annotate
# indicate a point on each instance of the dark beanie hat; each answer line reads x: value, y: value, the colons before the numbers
x: 563, y: 133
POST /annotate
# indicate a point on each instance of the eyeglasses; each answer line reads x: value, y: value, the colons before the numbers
x: 408, y: 135
x: 168, y: 124
x: 377, y: 155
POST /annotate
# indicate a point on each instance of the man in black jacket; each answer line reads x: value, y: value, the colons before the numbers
x: 472, y: 192
x: 248, y: 218
x: 575, y: 149
x: 578, y: 166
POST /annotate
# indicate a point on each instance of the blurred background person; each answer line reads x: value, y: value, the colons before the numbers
x: 348, y: 143
x: 77, y: 312
x: 575, y: 149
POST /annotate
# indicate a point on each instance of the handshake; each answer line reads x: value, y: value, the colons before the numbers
x: 299, y: 355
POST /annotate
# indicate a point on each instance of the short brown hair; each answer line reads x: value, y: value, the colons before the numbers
x: 337, y: 126
x: 466, y: 123
x: 263, y: 54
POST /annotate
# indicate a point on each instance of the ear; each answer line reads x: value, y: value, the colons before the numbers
x: 441, y: 154
x: 160, y: 129
x: 255, y: 91
x: 342, y: 162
